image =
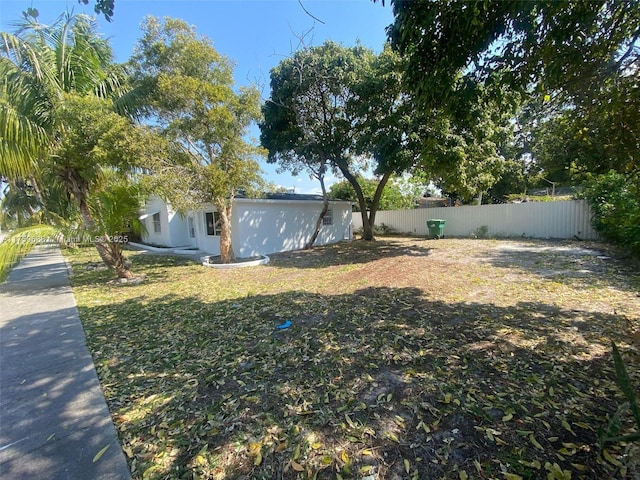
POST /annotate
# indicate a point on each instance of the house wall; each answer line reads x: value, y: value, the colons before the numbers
x: 533, y: 219
x: 173, y: 226
x: 266, y: 226
x: 258, y: 226
x: 152, y: 205
x: 178, y: 229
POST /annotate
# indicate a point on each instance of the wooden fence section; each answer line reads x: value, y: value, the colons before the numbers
x: 562, y: 220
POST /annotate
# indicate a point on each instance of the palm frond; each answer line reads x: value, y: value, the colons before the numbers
x: 20, y: 142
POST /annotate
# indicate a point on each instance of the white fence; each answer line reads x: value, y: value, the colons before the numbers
x: 566, y: 219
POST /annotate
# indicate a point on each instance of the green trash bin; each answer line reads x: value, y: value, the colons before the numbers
x: 436, y: 227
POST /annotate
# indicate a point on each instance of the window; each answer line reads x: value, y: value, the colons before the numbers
x: 213, y: 224
x: 328, y: 218
x: 156, y: 223
x: 192, y: 228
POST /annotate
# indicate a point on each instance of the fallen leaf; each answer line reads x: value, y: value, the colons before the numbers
x: 296, y: 452
x: 511, y: 476
x: 100, y: 453
x: 535, y: 442
x: 607, y: 456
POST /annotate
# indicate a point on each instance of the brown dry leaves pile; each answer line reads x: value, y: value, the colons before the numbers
x: 405, y: 358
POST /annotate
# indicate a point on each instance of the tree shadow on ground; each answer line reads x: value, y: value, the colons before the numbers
x: 348, y: 253
x: 379, y: 382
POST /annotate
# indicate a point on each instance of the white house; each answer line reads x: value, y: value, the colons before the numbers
x: 259, y: 226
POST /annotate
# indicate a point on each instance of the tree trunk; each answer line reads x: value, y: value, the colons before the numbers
x: 112, y: 256
x: 323, y: 212
x: 367, y: 229
x: 376, y: 199
x: 110, y: 253
x: 36, y: 190
x: 224, y: 211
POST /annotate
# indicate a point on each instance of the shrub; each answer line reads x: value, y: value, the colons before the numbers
x: 615, y: 202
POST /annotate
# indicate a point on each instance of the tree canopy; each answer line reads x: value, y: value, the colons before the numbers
x: 60, y: 96
x: 562, y: 49
x: 392, y: 198
x: 342, y: 105
x: 189, y: 94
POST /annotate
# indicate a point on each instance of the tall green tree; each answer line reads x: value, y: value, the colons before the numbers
x: 18, y: 205
x: 60, y: 97
x: 329, y: 104
x: 309, y: 114
x: 465, y: 152
x: 575, y: 57
x: 563, y: 49
x: 95, y: 159
x: 191, y: 96
x: 592, y: 139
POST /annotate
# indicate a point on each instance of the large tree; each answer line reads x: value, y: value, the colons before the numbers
x: 191, y: 97
x: 59, y: 97
x: 593, y: 139
x: 95, y: 161
x: 560, y: 48
x: 579, y: 58
x: 309, y: 115
x: 343, y: 106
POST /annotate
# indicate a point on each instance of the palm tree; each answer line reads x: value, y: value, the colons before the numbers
x: 22, y: 120
x: 59, y: 79
x: 116, y: 206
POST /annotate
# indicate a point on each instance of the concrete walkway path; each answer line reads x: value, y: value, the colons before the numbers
x: 54, y: 421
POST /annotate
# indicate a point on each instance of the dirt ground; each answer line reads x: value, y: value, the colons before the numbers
x: 485, y: 271
x: 404, y: 358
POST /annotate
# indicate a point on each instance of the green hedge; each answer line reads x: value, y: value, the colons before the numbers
x: 615, y: 202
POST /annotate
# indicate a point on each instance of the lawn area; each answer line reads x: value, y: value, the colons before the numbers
x: 405, y: 358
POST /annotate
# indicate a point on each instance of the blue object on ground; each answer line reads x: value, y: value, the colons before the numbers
x: 286, y: 324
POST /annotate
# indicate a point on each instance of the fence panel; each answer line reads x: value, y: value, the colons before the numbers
x: 565, y: 219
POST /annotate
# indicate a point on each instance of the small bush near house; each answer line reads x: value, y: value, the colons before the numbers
x: 615, y: 201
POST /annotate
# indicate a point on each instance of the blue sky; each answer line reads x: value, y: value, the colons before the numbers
x: 255, y: 34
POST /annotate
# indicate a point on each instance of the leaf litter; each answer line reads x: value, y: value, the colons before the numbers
x: 403, y: 358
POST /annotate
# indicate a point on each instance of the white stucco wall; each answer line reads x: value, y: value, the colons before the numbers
x: 156, y: 205
x: 173, y: 227
x: 178, y: 229
x: 258, y: 226
x: 268, y: 226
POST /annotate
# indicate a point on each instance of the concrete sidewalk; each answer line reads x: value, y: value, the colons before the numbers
x: 54, y: 420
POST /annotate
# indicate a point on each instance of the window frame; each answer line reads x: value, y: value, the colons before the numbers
x: 213, y: 226
x: 327, y: 220
x: 157, y: 223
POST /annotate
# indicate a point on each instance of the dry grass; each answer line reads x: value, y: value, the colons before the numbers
x: 406, y: 358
